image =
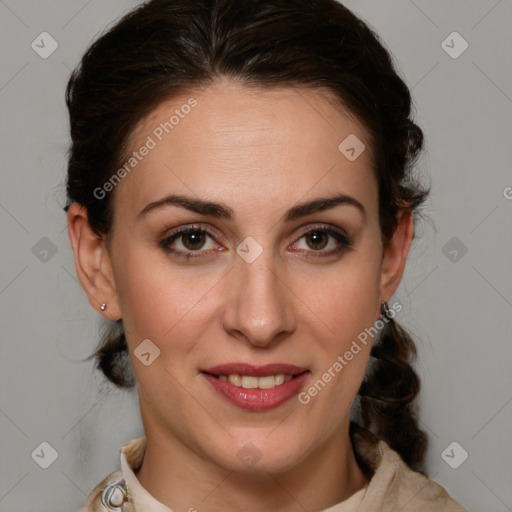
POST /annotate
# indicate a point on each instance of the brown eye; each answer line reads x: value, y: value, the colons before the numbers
x: 323, y: 241
x: 193, y: 240
x: 190, y: 242
x: 317, y: 240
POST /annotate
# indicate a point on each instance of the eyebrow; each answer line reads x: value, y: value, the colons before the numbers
x: 222, y: 211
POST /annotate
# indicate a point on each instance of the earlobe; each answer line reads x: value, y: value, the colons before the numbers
x: 92, y: 263
x: 395, y: 254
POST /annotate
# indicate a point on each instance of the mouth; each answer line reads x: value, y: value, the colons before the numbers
x: 256, y: 387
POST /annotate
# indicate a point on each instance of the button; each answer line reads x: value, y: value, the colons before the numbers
x: 114, y: 495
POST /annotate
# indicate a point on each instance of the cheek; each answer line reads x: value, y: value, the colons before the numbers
x: 344, y: 302
x: 155, y: 297
x: 344, y: 298
x: 156, y: 301
x: 343, y: 351
x: 347, y: 308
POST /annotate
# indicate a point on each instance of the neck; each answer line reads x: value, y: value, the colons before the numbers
x: 182, y: 479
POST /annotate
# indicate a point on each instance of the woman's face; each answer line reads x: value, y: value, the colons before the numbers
x: 274, y: 275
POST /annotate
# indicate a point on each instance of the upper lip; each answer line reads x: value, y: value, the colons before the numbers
x: 255, y: 371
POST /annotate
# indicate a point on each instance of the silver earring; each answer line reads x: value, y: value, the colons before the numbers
x: 384, y: 309
x: 103, y: 307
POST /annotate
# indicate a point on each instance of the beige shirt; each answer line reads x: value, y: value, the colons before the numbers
x: 393, y: 486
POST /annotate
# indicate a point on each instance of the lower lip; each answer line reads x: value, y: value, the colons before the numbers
x: 257, y: 399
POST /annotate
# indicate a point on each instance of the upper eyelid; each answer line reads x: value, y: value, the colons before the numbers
x: 320, y: 227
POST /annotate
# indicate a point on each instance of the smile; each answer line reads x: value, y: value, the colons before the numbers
x: 256, y: 388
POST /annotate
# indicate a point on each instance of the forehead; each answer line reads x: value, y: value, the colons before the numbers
x: 249, y: 143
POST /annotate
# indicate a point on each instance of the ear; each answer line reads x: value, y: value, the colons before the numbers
x: 394, y: 256
x: 92, y: 263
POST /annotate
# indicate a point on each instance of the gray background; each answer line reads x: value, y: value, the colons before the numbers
x: 459, y: 305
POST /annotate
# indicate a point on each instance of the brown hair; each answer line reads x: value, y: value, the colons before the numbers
x: 165, y: 47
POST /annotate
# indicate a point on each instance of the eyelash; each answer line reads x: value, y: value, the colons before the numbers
x: 344, y: 241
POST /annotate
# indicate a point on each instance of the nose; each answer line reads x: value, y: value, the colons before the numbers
x: 259, y: 308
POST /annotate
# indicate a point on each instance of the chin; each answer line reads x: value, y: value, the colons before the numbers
x: 259, y: 454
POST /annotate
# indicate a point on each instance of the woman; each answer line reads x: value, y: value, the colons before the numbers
x: 241, y: 205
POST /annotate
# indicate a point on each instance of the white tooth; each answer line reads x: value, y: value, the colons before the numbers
x: 235, y: 379
x: 279, y: 379
x: 266, y: 382
x: 249, y: 382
